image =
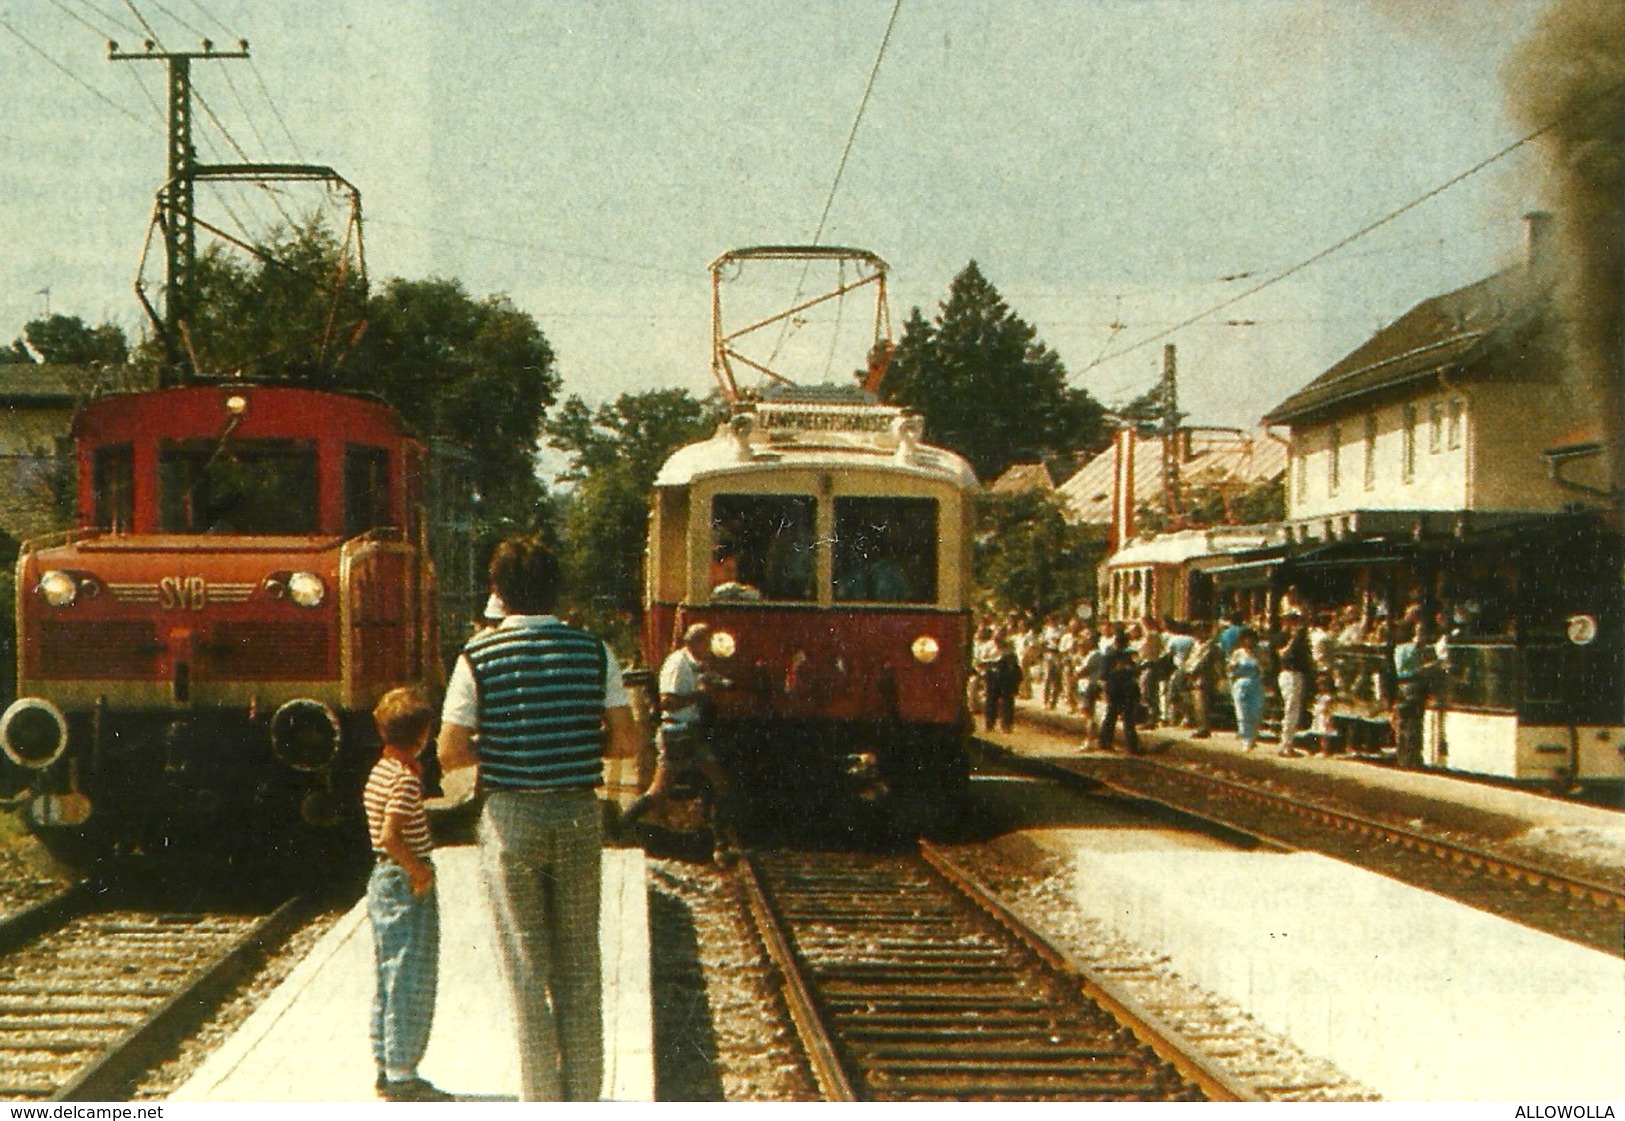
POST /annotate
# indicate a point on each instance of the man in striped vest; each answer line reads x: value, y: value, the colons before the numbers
x: 528, y: 704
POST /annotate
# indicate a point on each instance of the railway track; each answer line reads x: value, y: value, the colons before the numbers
x: 1554, y: 900
x: 94, y: 989
x: 908, y: 982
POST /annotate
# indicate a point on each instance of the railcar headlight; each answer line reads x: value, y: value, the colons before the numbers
x: 59, y: 588
x: 722, y: 644
x: 306, y: 589
x: 925, y: 649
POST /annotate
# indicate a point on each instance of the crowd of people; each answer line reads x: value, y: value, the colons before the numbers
x: 1148, y: 673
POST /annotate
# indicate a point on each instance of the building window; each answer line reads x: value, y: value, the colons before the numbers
x: 1300, y: 476
x: 1435, y: 427
x: 1333, y: 455
x: 1407, y: 471
x: 1370, y: 450
x: 1458, y: 417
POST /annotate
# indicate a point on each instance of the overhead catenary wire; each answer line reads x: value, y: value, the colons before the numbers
x: 218, y: 123
x: 142, y: 20
x: 1584, y: 106
x: 178, y: 19
x: 259, y: 78
x: 80, y: 19
x: 111, y: 17
x: 76, y: 79
x: 840, y: 168
x: 852, y: 136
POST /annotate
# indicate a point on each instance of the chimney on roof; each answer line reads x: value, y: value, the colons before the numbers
x: 1539, y: 232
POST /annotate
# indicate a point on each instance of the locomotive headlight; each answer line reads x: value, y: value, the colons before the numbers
x: 33, y: 733
x: 305, y: 734
x: 59, y: 588
x: 306, y: 589
x: 722, y: 644
x: 925, y: 649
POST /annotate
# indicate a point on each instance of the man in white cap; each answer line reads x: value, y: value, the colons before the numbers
x: 680, y: 742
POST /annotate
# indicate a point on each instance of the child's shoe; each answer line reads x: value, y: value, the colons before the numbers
x: 411, y: 1090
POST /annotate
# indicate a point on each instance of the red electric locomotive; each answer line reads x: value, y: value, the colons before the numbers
x: 829, y: 549
x: 198, y: 659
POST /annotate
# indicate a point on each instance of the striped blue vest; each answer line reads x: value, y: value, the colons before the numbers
x: 541, y: 706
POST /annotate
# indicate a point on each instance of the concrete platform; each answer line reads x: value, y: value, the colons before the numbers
x: 308, y: 1042
x: 1420, y: 998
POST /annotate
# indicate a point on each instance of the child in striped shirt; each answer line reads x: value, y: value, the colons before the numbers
x: 401, y: 899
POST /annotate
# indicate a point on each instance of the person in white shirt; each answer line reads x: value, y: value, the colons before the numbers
x: 681, y: 743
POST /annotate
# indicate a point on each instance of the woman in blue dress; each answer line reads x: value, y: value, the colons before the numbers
x: 1247, y: 688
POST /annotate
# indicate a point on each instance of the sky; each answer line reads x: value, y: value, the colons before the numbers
x: 1107, y: 164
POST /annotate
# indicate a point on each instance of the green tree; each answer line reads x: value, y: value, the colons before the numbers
x: 1029, y: 556
x: 986, y: 386
x: 67, y: 340
x: 478, y: 374
x: 615, y: 452
x: 290, y: 311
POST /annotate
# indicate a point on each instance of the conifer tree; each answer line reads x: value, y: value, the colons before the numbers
x: 987, y: 386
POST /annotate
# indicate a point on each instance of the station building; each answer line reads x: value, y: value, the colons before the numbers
x: 1458, y: 472
x: 1469, y: 411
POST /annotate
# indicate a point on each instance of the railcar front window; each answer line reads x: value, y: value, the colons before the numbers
x: 249, y: 487
x: 886, y: 550
x: 763, y: 546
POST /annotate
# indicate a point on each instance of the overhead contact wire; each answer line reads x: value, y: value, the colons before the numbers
x: 1584, y: 106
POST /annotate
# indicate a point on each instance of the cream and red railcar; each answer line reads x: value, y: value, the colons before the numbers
x: 828, y: 548
x: 198, y: 659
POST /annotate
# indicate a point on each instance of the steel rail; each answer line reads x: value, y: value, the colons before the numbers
x: 1507, y: 868
x: 907, y: 985
x: 826, y: 1065
x: 108, y: 1077
x: 1168, y: 1043
x: 25, y: 925
x: 1496, y: 864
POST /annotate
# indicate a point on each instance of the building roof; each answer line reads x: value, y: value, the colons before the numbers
x: 1217, y: 457
x: 1019, y: 478
x: 1451, y: 333
x: 25, y: 382
x: 55, y: 385
x: 1189, y: 544
x: 1087, y: 495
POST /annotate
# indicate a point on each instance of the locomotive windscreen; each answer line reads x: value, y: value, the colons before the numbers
x: 248, y: 486
x: 886, y: 550
x: 114, y: 487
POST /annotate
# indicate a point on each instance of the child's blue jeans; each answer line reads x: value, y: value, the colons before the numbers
x: 406, y: 945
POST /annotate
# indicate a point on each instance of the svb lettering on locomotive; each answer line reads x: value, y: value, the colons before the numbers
x: 182, y: 593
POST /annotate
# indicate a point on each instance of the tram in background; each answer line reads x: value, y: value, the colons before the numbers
x: 1524, y: 625
x: 1532, y: 687
x: 828, y: 547
x: 198, y: 659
